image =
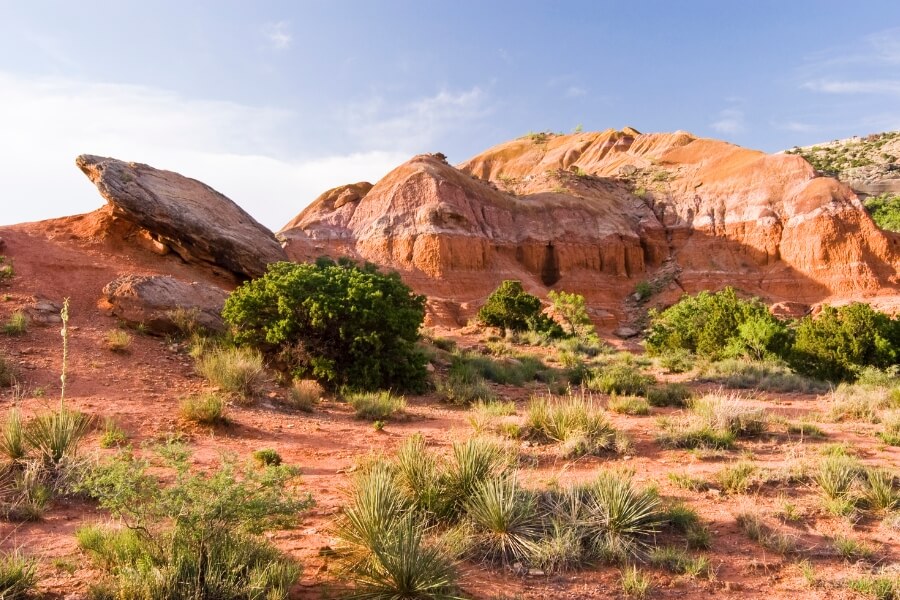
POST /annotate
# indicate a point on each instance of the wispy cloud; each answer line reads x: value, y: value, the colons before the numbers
x: 278, y: 35
x: 235, y: 148
x: 574, y: 91
x: 797, y: 127
x: 417, y: 124
x: 729, y: 121
x: 862, y: 86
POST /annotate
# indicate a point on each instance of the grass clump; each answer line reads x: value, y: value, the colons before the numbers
x: 879, y: 587
x: 113, y: 435
x: 196, y: 537
x: 737, y: 478
x: 675, y: 560
x: 376, y: 406
x: 628, y: 405
x: 761, y: 375
x: 620, y: 378
x: 714, y: 422
x: 862, y: 402
x: 574, y: 421
x: 464, y: 385
x: 7, y: 372
x: 16, y: 324
x: 890, y: 433
x: 118, y: 340
x: 635, y: 583
x: 204, y: 409
x: 237, y: 370
x: 668, y: 394
x: 806, y: 430
x: 18, y: 576
x: 851, y: 549
x: 267, y: 457
x: 694, y: 484
x: 305, y: 394
x: 57, y: 435
x: 880, y: 493
x: 13, y: 444
x: 755, y: 529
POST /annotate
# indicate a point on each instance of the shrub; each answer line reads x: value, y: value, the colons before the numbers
x: 760, y: 375
x: 205, y: 409
x: 571, y: 308
x: 199, y: 536
x: 880, y: 491
x: 736, y: 479
x: 730, y: 413
x: 629, y: 405
x: 572, y: 420
x: 691, y: 433
x: 621, y: 517
x: 472, y: 463
x: 16, y: 324
x: 676, y: 360
x: 376, y: 405
x: 341, y: 324
x: 620, y: 378
x: 836, y: 476
x: 18, y: 576
x: 505, y: 521
x: 885, y: 211
x: 305, y: 394
x: 891, y: 433
x: 118, y: 340
x: 237, y: 370
x: 668, y: 394
x: 511, y: 307
x: 862, y: 402
x: 881, y: 587
x: 840, y: 341
x: 267, y: 457
x: 715, y: 325
x: 112, y: 435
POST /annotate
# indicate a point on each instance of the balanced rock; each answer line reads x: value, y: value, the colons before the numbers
x: 189, y: 217
x: 154, y: 302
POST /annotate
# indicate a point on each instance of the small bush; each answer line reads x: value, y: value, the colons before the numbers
x: 236, y: 370
x: 836, y: 476
x: 305, y: 394
x: 205, y: 409
x: 620, y: 378
x: 676, y: 560
x: 806, y: 430
x: 736, y: 479
x: 668, y: 394
x: 862, y: 402
x: 511, y: 307
x: 572, y: 420
x: 13, y: 444
x: 885, y: 211
x: 880, y: 491
x: 6, y: 269
x: 495, y: 408
x: 768, y: 376
x: 118, y: 340
x: 113, y: 435
x: 267, y: 457
x: 754, y: 528
x: 731, y: 413
x: 56, y: 435
x: 376, y: 405
x: 16, y: 324
x: 18, y: 576
x: 339, y: 323
x: 635, y: 583
x: 676, y: 360
x: 628, y: 405
x: 890, y: 434
x: 689, y: 433
x: 571, y: 308
x: 464, y: 385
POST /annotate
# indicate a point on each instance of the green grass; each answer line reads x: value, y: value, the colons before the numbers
x: 205, y: 409
x: 118, y: 340
x: 504, y: 520
x: 13, y: 444
x: 851, y: 549
x: 628, y: 405
x: 754, y: 528
x: 635, y: 583
x: 464, y: 385
x: 304, y: 395
x: 56, y: 435
x: 879, y: 587
x: 18, y: 576
x: 113, y: 435
x: 668, y: 394
x: 686, y: 482
x: 575, y: 421
x: 267, y: 457
x: 675, y: 560
x: 767, y: 376
x: 836, y: 476
x: 620, y: 378
x: 16, y: 324
x: 806, y: 430
x: 737, y: 478
x: 376, y: 406
x: 881, y: 494
x: 237, y: 370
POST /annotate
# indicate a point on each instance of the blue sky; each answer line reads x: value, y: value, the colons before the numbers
x: 274, y: 102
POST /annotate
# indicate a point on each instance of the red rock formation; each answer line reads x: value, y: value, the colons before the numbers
x: 596, y: 213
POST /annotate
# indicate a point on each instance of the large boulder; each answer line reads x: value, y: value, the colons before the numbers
x: 189, y: 217
x: 158, y: 302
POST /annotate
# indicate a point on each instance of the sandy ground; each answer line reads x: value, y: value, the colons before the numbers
x: 141, y: 390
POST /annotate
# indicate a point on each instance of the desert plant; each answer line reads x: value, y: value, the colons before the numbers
x: 571, y: 308
x: 851, y: 549
x: 730, y: 413
x: 267, y: 457
x: 688, y: 482
x: 18, y: 576
x: 16, y: 324
x: 628, y: 405
x: 676, y: 560
x: 880, y: 492
x: 206, y: 409
x: 305, y: 394
x: 464, y: 385
x: 836, y: 476
x: 6, y: 269
x: 676, y: 360
x: 885, y: 211
x: 668, y: 394
x: 736, y: 479
x: 635, y: 583
x: 13, y: 444
x: 620, y: 378
x: 7, y: 372
x: 760, y: 375
x: 511, y: 307
x: 621, y: 517
x: 890, y: 434
x: 879, y: 587
x: 376, y: 405
x: 236, y: 370
x: 572, y: 420
x: 339, y: 323
x: 118, y: 340
x: 113, y: 435
x: 862, y: 402
x: 806, y: 430
x: 504, y: 520
x: 755, y: 529
x: 471, y: 463
x: 56, y: 435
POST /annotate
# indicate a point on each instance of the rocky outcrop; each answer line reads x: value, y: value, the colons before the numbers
x: 596, y: 213
x: 160, y: 302
x: 185, y: 216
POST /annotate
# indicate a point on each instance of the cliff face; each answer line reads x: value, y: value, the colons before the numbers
x: 596, y: 213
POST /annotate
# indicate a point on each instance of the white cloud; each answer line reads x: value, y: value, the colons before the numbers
x: 797, y: 126
x: 574, y: 91
x: 234, y: 148
x: 844, y: 86
x: 278, y: 35
x: 416, y: 125
x: 730, y: 121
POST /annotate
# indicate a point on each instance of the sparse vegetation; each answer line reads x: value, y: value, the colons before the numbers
x: 267, y: 457
x: 118, y: 340
x: 6, y: 269
x: 714, y: 421
x: 576, y: 422
x: 18, y: 576
x: 668, y: 394
x: 236, y: 370
x: 204, y: 409
x: 629, y: 405
x: 113, y: 435
x: 885, y: 211
x: 16, y: 324
x: 761, y: 375
x: 376, y: 406
x: 620, y: 378
x: 511, y: 307
x: 304, y: 394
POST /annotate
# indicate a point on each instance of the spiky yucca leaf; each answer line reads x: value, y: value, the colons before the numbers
x: 621, y: 517
x: 505, y: 521
x: 56, y: 435
x: 12, y: 438
x: 836, y: 475
x: 473, y: 462
x: 421, y: 477
x: 881, y: 492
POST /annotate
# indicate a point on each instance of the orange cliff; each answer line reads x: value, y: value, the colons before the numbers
x: 597, y: 213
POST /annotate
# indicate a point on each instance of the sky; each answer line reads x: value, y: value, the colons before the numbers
x: 272, y: 103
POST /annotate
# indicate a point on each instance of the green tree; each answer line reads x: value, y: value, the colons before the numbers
x: 340, y: 323
x: 839, y: 341
x: 511, y: 307
x: 571, y: 308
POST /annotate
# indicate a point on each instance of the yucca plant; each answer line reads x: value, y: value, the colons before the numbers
x: 403, y: 566
x: 421, y: 478
x: 12, y: 438
x: 880, y: 492
x: 472, y: 462
x: 505, y: 521
x: 18, y: 576
x: 621, y: 517
x: 836, y: 476
x: 56, y: 435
